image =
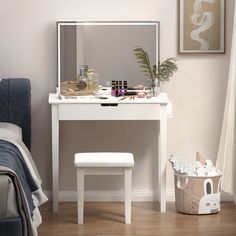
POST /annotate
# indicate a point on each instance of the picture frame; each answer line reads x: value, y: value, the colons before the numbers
x: 201, y: 26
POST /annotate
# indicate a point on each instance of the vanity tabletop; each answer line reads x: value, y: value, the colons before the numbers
x: 104, y: 98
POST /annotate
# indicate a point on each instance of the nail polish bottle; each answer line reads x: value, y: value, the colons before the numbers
x: 125, y: 90
x: 120, y: 88
x: 113, y: 88
x: 116, y: 89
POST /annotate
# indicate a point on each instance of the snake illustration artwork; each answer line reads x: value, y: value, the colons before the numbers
x: 202, y: 19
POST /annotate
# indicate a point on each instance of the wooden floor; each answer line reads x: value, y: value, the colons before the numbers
x: 108, y: 219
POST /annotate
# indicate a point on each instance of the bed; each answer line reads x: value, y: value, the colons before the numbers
x: 20, y: 183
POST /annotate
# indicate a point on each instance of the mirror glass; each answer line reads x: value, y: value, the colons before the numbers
x: 107, y: 48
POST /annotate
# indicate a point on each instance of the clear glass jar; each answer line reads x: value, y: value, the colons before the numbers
x: 83, y: 78
x: 153, y: 85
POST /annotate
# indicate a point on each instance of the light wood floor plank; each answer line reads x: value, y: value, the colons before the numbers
x: 107, y: 219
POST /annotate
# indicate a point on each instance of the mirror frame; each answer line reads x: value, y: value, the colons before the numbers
x: 62, y: 23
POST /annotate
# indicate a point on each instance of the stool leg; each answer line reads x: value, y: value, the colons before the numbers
x: 80, y: 195
x: 128, y: 192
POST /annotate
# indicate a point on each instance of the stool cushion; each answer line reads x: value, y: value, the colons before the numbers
x: 104, y: 159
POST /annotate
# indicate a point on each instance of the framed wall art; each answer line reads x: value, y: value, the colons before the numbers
x: 201, y: 26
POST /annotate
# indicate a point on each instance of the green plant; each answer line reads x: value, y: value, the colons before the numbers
x: 162, y: 71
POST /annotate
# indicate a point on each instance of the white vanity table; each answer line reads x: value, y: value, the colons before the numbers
x: 90, y: 108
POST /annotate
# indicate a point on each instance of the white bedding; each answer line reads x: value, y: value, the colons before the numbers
x: 9, y: 130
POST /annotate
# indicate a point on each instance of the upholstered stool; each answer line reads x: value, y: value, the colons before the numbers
x: 104, y: 163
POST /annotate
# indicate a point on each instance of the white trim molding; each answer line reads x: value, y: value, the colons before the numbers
x: 118, y: 196
x: 105, y: 196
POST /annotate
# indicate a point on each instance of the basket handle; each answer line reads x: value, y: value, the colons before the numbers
x: 181, y: 182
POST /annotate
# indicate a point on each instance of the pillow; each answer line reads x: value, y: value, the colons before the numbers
x: 10, y: 131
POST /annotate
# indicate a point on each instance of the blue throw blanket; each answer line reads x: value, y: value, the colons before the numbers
x: 11, y: 157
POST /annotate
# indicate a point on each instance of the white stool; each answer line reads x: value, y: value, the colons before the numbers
x: 104, y: 163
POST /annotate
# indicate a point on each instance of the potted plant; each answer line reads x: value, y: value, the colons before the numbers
x: 160, y: 73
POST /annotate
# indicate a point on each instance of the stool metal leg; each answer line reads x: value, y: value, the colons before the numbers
x: 128, y: 192
x: 80, y: 195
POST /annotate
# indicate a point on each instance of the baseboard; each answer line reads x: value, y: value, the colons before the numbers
x: 227, y: 197
x: 116, y: 196
x: 105, y: 196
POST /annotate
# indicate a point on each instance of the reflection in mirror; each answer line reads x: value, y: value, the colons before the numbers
x: 106, y: 48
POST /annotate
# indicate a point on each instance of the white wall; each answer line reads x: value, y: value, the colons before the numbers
x: 28, y: 49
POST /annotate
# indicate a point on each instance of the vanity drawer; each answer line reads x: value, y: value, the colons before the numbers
x: 109, y: 111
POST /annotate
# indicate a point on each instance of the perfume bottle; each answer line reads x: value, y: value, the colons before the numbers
x: 90, y: 76
x: 83, y: 79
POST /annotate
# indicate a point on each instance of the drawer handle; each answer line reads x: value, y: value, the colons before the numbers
x: 109, y: 104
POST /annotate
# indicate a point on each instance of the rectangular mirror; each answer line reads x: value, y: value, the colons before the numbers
x: 107, y: 48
